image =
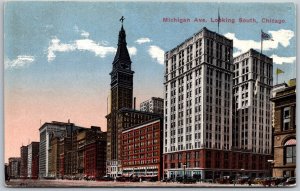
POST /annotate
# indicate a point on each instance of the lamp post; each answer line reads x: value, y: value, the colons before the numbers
x: 184, y: 165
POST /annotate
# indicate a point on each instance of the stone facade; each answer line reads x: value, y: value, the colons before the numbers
x: 284, y: 163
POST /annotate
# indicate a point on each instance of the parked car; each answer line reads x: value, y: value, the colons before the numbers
x: 290, y: 181
x: 106, y: 178
x: 189, y: 180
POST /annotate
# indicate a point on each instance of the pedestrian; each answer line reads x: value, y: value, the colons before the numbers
x: 249, y: 182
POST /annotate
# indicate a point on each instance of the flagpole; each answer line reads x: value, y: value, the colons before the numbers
x: 261, y: 42
x: 276, y: 76
x: 218, y: 19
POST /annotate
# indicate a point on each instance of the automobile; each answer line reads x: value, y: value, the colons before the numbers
x: 135, y: 179
x: 123, y: 179
x: 243, y: 180
x: 168, y: 180
x: 258, y: 180
x: 106, y: 178
x: 179, y: 179
x: 290, y: 181
x: 189, y: 180
x: 153, y: 179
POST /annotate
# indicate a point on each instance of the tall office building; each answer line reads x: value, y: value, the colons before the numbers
x: 252, y: 84
x: 154, y: 105
x: 198, y: 99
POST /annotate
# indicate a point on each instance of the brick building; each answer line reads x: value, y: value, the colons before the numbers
x: 95, y: 153
x: 284, y: 163
x: 65, y: 150
x: 216, y: 163
x: 142, y: 149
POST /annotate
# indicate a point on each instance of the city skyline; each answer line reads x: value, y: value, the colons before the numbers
x: 61, y: 78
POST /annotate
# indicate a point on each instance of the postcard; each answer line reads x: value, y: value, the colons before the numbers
x: 149, y: 94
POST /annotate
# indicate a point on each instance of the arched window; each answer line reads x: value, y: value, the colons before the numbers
x: 290, y: 151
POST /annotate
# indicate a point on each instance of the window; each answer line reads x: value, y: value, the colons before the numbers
x: 286, y: 118
x: 290, y: 151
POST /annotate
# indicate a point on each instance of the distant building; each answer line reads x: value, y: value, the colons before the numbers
x: 95, y: 153
x: 142, y: 146
x: 46, y: 130
x: 65, y: 152
x: 14, y: 165
x: 54, y: 157
x: 33, y: 152
x: 24, y: 162
x: 153, y: 105
x: 284, y: 162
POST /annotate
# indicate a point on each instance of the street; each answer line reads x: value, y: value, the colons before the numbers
x: 83, y: 183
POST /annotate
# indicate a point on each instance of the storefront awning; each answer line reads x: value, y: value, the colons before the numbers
x: 290, y: 142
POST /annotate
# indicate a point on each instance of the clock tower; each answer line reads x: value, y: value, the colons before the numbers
x: 121, y: 97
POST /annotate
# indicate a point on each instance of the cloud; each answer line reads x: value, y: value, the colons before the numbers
x: 56, y: 46
x: 132, y: 51
x: 282, y: 60
x: 157, y: 54
x: 280, y: 37
x: 143, y: 40
x: 20, y: 61
x: 92, y: 46
x: 98, y: 48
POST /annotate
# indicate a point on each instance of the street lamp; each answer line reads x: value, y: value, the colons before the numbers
x: 184, y: 165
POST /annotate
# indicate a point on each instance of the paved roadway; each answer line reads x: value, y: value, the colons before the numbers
x: 83, y: 183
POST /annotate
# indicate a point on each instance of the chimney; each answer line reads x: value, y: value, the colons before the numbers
x: 134, y: 100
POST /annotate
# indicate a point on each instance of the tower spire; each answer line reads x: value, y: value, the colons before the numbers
x: 122, y: 51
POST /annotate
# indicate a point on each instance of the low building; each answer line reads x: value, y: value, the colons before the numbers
x: 214, y: 163
x: 142, y: 149
x: 14, y: 167
x: 284, y: 163
x: 154, y: 105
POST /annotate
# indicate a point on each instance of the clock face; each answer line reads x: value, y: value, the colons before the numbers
x: 125, y: 66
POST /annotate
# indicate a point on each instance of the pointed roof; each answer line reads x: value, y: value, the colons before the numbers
x: 122, y: 51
